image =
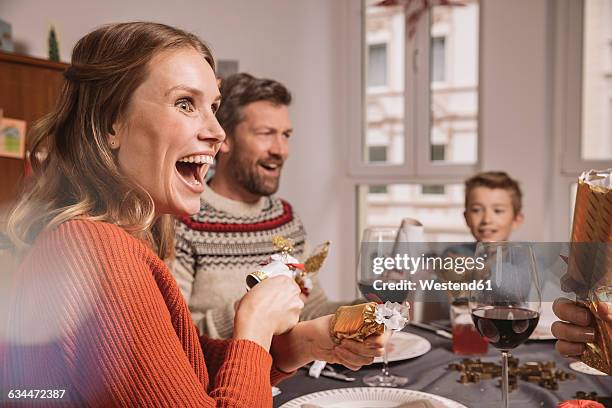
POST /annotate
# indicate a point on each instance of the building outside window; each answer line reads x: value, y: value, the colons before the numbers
x: 438, y: 59
x: 435, y: 67
x: 377, y: 65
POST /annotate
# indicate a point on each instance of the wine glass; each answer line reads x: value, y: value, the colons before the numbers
x: 379, y: 242
x: 505, y: 304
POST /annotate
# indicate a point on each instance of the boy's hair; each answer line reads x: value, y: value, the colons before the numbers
x: 496, y: 179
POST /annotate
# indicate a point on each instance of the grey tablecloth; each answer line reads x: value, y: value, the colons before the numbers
x: 428, y: 373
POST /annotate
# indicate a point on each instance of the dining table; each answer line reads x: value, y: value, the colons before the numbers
x: 430, y: 373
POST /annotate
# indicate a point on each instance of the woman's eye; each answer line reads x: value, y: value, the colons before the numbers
x: 184, y: 104
x: 215, y: 108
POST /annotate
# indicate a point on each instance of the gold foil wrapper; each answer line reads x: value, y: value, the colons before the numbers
x: 599, y: 354
x: 254, y: 278
x: 317, y: 258
x: 590, y: 262
x: 356, y: 322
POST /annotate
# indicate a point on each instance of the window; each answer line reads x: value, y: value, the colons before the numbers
x: 582, y: 90
x: 596, y: 141
x: 419, y: 102
x: 454, y: 97
x: 377, y: 65
x: 584, y: 57
x: 378, y: 189
x: 434, y: 189
x: 378, y: 154
x: 437, y: 152
x: 438, y: 59
x: 438, y: 207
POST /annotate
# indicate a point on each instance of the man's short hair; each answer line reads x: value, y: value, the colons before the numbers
x: 496, y: 179
x: 239, y: 90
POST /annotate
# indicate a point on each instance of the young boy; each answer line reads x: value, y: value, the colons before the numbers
x: 492, y: 211
x: 493, y: 203
x: 492, y: 206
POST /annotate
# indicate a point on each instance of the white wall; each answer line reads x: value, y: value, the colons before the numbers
x: 515, y: 89
x: 303, y: 44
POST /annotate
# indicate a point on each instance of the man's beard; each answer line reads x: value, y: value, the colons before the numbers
x: 245, y: 173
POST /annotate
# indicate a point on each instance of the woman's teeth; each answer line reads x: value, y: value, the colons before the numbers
x: 193, y: 168
x: 198, y: 159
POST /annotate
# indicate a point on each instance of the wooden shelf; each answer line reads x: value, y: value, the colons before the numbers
x: 28, y: 90
x: 36, y: 62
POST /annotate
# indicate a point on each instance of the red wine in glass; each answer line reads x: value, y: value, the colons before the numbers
x: 505, y: 327
x: 507, y: 312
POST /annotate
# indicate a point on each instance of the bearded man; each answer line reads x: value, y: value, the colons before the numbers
x: 239, y: 215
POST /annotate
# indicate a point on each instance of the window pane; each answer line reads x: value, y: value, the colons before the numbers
x: 433, y: 189
x: 377, y: 65
x: 438, y: 207
x: 438, y: 152
x: 378, y: 154
x: 378, y: 189
x: 438, y: 59
x: 597, y: 81
x: 384, y: 82
x: 454, y: 82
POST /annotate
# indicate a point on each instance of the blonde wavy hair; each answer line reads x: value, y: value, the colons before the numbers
x: 80, y: 176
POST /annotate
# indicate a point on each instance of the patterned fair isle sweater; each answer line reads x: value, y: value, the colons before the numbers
x: 217, y: 248
x: 97, y: 314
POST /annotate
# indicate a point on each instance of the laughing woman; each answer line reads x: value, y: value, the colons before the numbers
x: 94, y: 312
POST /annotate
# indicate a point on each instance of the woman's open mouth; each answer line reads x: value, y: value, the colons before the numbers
x: 192, y: 169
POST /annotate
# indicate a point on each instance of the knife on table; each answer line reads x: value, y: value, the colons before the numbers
x: 433, y: 329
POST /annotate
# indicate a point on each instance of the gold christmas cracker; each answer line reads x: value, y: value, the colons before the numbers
x: 356, y: 322
x: 590, y: 263
x: 317, y: 258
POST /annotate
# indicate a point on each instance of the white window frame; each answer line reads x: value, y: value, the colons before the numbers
x: 569, y: 33
x: 417, y: 166
x: 567, y: 111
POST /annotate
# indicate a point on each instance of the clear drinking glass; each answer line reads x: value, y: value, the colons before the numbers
x: 506, y: 309
x: 380, y: 242
x: 466, y: 339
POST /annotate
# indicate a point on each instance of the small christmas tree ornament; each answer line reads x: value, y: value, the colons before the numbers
x: 53, y: 45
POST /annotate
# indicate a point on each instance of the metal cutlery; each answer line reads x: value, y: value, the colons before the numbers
x: 433, y: 329
x: 330, y: 372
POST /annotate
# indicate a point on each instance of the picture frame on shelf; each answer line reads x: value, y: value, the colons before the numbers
x: 12, y: 138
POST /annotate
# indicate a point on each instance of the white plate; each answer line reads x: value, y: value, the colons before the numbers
x: 585, y: 369
x: 404, y: 346
x: 367, y: 397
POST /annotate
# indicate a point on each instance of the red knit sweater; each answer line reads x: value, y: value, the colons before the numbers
x: 96, y: 313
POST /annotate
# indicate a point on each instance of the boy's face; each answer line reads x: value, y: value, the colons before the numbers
x: 489, y: 214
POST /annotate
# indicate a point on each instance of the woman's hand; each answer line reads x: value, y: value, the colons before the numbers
x: 311, y: 340
x: 350, y: 353
x: 574, y: 330
x: 270, y: 308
